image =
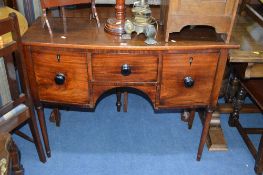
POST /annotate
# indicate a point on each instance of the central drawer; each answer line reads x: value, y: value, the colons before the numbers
x: 124, y: 68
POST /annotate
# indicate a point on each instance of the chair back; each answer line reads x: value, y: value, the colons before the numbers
x: 12, y: 87
x: 57, y: 3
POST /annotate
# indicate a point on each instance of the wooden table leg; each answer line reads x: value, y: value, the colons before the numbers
x: 42, y: 122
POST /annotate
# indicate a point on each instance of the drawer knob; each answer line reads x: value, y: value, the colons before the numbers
x: 59, y: 78
x: 125, y: 70
x: 188, y: 82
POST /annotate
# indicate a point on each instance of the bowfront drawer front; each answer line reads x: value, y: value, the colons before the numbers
x: 187, y: 79
x: 124, y: 68
x: 61, y: 76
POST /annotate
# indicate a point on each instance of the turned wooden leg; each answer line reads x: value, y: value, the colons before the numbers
x: 185, y: 115
x: 259, y: 157
x: 42, y: 122
x: 94, y: 12
x: 55, y: 117
x: 118, y: 102
x: 17, y: 168
x: 188, y: 116
x: 125, y: 101
x: 237, y: 103
x: 37, y: 141
x: 232, y: 90
x: 204, y: 133
x: 191, y: 118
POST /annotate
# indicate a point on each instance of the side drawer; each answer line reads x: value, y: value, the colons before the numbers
x: 61, y: 76
x: 200, y: 67
x: 108, y: 67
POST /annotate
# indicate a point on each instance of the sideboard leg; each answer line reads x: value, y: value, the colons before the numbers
x: 191, y: 118
x: 188, y: 116
x: 204, y: 133
x: 215, y: 140
x: 118, y: 103
x: 55, y: 117
x: 36, y: 138
x: 42, y: 122
x: 125, y: 101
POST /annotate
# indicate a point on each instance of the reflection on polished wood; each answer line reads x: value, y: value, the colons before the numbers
x: 83, y: 33
x: 115, y: 25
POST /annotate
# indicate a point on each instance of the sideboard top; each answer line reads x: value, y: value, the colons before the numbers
x: 80, y: 32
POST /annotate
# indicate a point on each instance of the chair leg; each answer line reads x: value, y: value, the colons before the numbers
x: 259, y: 158
x: 204, y: 133
x: 42, y: 122
x: 36, y: 138
x: 17, y: 168
x: 94, y: 12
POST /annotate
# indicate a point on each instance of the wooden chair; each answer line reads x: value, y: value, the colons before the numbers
x: 9, y: 156
x: 253, y: 88
x: 58, y: 3
x: 17, y: 107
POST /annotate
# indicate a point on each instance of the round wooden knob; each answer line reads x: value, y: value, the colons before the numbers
x: 125, y: 70
x: 188, y: 82
x: 59, y: 78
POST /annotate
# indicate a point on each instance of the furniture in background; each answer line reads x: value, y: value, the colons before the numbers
x: 247, y: 65
x: 254, y: 10
x: 9, y: 156
x: 23, y: 25
x: 252, y: 87
x: 58, y: 3
x: 176, y: 14
x: 17, y: 106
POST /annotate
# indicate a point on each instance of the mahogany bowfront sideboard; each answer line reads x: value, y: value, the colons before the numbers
x: 79, y: 62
